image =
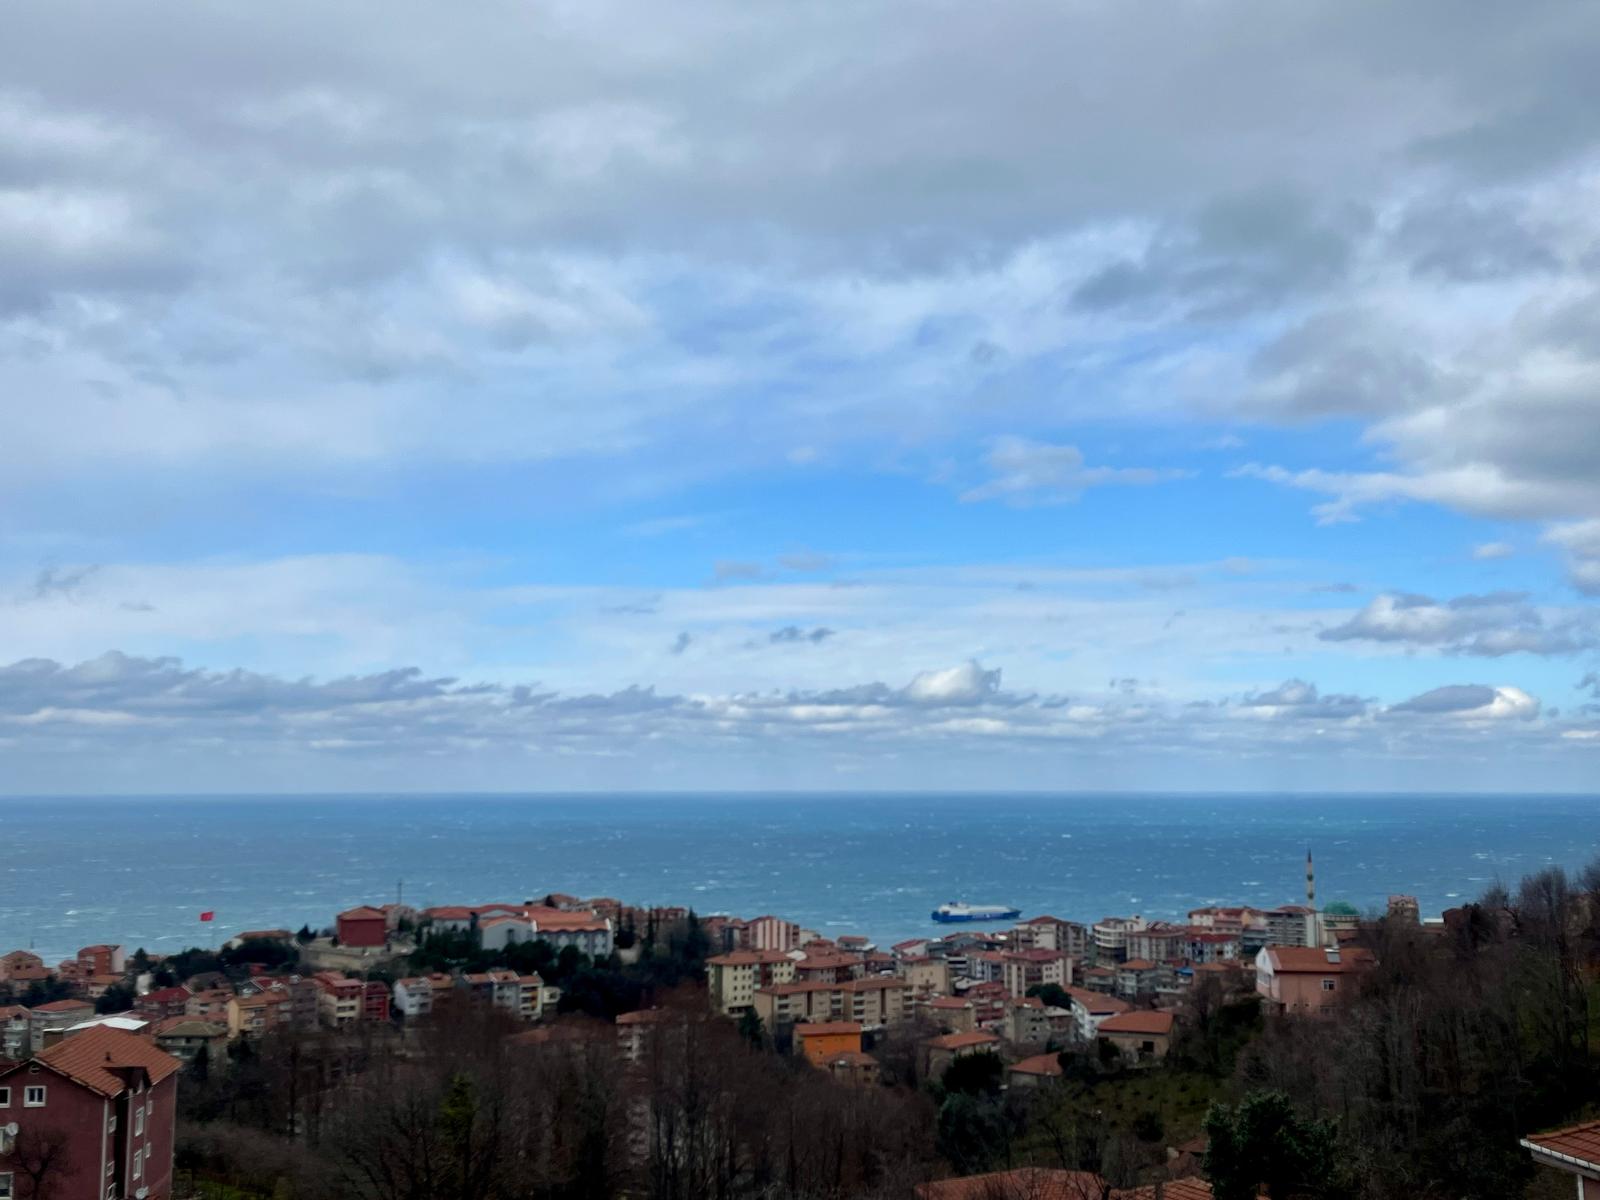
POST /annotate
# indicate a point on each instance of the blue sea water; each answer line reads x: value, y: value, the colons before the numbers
x: 139, y: 870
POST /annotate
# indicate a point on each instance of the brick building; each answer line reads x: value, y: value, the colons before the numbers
x: 112, y: 1099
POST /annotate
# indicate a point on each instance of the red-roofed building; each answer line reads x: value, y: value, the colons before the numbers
x: 363, y: 928
x: 20, y: 960
x: 1024, y: 1183
x: 1031, y: 1072
x: 163, y: 1002
x: 1024, y: 969
x: 1308, y: 980
x: 1574, y: 1151
x: 942, y: 1051
x: 16, y: 1043
x: 102, y: 960
x: 111, y: 1099
x: 874, y: 1001
x: 47, y: 1021
x: 1142, y: 1035
x: 955, y: 1013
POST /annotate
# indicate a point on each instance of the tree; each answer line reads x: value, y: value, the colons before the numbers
x: 751, y: 1028
x: 41, y: 1159
x: 1053, y: 994
x: 974, y: 1074
x: 1263, y: 1144
x: 115, y: 999
x: 971, y: 1132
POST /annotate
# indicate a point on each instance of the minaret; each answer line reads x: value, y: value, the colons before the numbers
x: 1313, y: 922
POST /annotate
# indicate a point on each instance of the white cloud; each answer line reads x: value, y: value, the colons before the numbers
x: 1490, y: 551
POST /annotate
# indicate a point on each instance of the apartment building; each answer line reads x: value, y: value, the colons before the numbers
x: 1111, y: 937
x: 1024, y: 969
x: 733, y: 979
x: 873, y: 1002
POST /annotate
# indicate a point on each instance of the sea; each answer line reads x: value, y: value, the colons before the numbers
x: 140, y: 870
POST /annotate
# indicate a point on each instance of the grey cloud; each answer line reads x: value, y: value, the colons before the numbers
x: 1490, y: 625
x: 729, y: 569
x: 1452, y: 698
x: 792, y: 634
x: 1340, y: 363
x: 1297, y: 698
x: 1237, y: 253
x: 805, y: 561
x: 60, y: 583
x: 1027, y: 472
x: 1469, y: 241
x: 681, y: 643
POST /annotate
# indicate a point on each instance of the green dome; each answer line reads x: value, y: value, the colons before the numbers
x: 1341, y: 908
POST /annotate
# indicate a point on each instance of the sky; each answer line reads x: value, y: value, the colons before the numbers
x: 829, y: 396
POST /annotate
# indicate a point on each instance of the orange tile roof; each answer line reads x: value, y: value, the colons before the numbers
x: 90, y: 1057
x: 1024, y: 1183
x: 748, y: 958
x: 1039, y: 1064
x: 960, y: 1041
x: 852, y: 1058
x: 1138, y: 964
x: 1138, y: 1022
x: 1095, y: 1002
x: 1173, y: 1189
x: 62, y: 1006
x: 644, y: 1016
x: 826, y: 1028
x: 1576, y: 1144
x: 1309, y: 960
x: 949, y: 1002
x: 189, y: 1027
x: 363, y: 912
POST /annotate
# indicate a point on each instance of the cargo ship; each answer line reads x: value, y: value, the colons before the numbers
x: 951, y: 913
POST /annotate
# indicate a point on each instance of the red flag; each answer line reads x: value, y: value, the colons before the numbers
x: 207, y: 915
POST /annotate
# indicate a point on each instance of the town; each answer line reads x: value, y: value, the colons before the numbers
x: 95, y: 1049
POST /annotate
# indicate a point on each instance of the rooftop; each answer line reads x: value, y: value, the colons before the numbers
x: 1143, y: 1021
x: 1576, y: 1145
x: 1034, y: 1183
x: 827, y: 1029
x: 92, y: 1058
x: 1039, y: 1064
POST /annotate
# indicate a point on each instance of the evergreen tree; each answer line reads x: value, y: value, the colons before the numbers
x: 1263, y: 1145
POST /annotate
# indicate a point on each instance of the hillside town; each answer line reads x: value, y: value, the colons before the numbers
x: 100, y: 1043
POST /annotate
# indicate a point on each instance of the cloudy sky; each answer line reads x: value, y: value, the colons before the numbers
x: 856, y: 395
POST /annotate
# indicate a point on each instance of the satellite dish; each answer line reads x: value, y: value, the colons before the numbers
x: 10, y: 1130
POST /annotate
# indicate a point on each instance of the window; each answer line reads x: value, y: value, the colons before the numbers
x: 1328, y: 985
x: 138, y: 1164
x: 111, y: 1127
x: 5, y: 1100
x: 138, y: 1121
x: 6, y: 1190
x: 33, y: 1096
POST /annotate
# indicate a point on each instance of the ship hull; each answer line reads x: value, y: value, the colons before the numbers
x: 967, y: 918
